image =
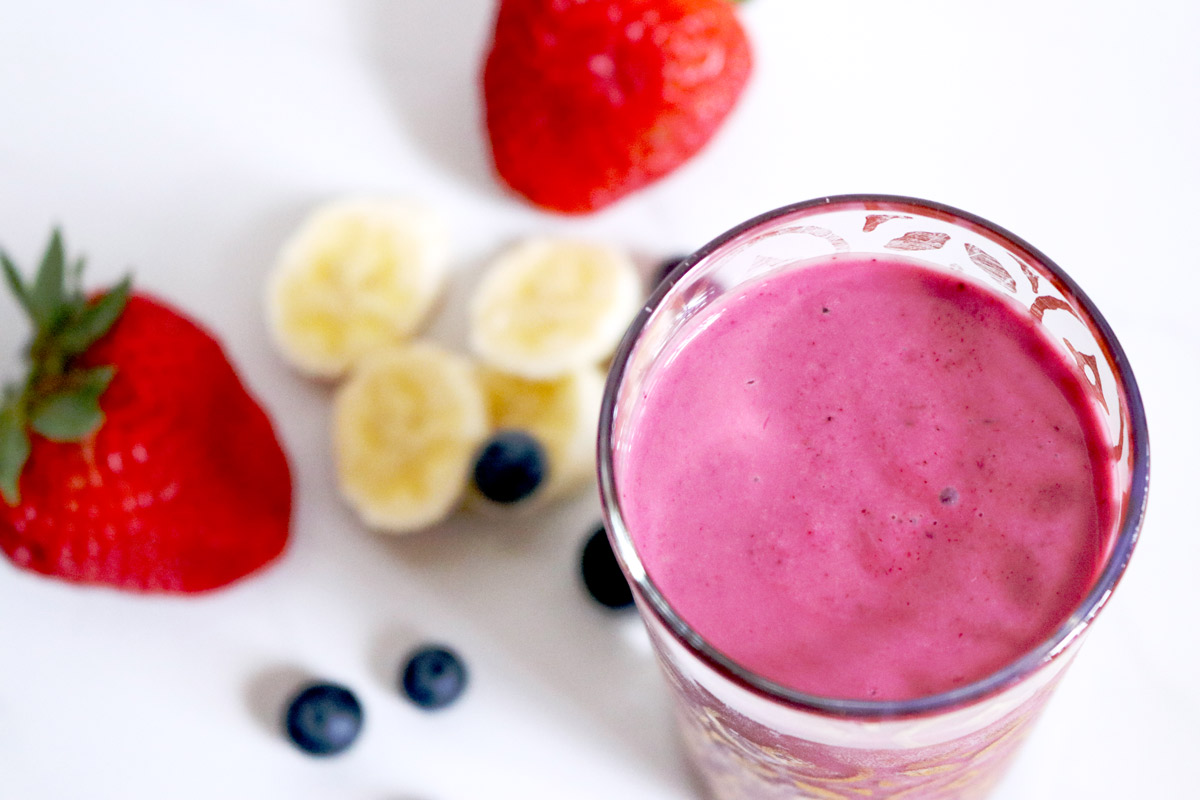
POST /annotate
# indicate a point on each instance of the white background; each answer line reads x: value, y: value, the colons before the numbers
x: 186, y: 139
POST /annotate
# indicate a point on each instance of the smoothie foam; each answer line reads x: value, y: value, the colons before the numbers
x: 867, y: 479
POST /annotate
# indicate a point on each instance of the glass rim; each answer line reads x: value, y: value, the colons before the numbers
x: 1012, y: 672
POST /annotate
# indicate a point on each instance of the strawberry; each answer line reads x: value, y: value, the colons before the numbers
x: 588, y: 100
x: 132, y: 455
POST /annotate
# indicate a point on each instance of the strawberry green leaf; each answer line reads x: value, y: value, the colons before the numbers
x: 13, y: 276
x: 95, y: 319
x: 68, y: 416
x: 94, y: 381
x: 46, y: 297
x: 75, y: 282
x: 14, y: 450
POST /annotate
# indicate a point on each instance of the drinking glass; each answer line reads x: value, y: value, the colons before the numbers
x: 754, y: 739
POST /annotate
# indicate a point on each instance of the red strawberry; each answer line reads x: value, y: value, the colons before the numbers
x: 133, y: 456
x: 588, y: 100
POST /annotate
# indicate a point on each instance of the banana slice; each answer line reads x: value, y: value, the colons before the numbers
x: 547, y: 307
x: 406, y: 427
x: 561, y: 413
x: 358, y: 274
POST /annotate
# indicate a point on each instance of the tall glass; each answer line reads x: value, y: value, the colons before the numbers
x: 751, y: 738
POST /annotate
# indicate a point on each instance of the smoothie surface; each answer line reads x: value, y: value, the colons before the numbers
x: 865, y: 479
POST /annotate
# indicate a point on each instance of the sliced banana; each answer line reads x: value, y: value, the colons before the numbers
x: 406, y: 427
x: 561, y: 413
x: 546, y: 307
x: 357, y: 275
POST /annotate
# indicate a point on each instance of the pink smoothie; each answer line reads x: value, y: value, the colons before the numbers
x: 865, y: 479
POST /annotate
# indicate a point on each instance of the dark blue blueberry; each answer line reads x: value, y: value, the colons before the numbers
x: 510, y: 467
x: 324, y: 719
x: 602, y: 574
x: 433, y: 677
x: 665, y: 266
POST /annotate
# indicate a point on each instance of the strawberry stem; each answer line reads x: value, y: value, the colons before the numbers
x: 57, y: 400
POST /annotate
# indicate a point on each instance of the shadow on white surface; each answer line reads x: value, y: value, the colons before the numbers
x: 268, y: 694
x: 430, y: 39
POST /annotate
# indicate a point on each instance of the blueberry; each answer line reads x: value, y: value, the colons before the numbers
x: 665, y: 266
x: 324, y: 719
x: 602, y: 574
x: 511, y: 466
x: 433, y: 677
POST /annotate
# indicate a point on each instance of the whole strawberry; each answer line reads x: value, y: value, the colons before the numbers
x: 132, y: 455
x: 588, y: 100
